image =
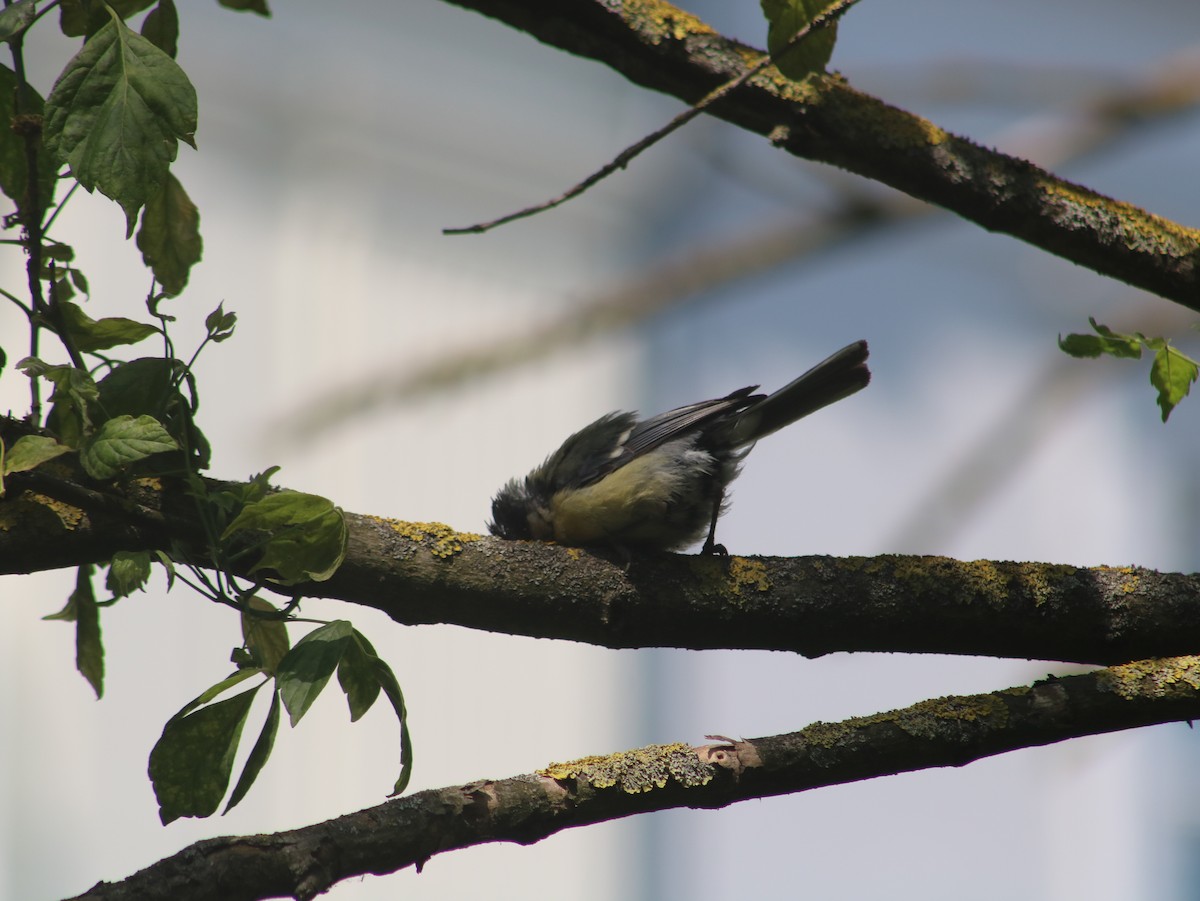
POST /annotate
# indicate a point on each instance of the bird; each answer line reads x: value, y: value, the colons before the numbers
x: 659, y: 484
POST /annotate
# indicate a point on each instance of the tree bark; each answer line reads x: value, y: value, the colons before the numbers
x: 406, y: 832
x: 665, y: 49
x: 424, y: 573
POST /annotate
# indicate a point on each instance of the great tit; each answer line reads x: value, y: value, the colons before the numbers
x: 660, y: 483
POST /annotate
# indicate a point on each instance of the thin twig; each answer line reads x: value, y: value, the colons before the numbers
x: 622, y: 159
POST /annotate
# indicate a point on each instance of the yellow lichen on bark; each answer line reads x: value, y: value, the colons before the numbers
x: 442, y: 540
x: 636, y: 771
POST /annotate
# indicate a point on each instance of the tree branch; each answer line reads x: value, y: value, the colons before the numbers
x: 525, y: 809
x: 419, y: 573
x: 665, y: 49
x: 824, y: 20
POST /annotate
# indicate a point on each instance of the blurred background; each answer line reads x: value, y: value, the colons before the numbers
x: 336, y: 141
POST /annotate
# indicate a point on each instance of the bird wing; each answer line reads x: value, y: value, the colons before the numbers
x: 585, y: 456
x: 658, y: 430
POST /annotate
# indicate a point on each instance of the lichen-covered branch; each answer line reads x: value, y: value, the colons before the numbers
x: 420, y: 573
x: 409, y: 831
x: 660, y: 47
x: 809, y: 605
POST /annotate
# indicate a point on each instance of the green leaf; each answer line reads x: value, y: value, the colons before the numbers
x: 306, y: 668
x: 232, y: 498
x: 58, y: 252
x: 89, y: 650
x: 391, y: 688
x: 1172, y: 375
x: 267, y: 639
x: 161, y: 28
x: 254, y: 6
x: 362, y: 673
x: 150, y: 385
x: 169, y: 238
x: 145, y: 385
x: 128, y: 8
x: 81, y: 608
x: 259, y: 486
x: 1082, y: 346
x: 258, y: 756
x: 784, y: 19
x: 80, y: 17
x: 30, y: 451
x: 121, y: 441
x: 1105, y: 341
x: 78, y: 279
x: 13, y: 162
x: 66, y: 615
x: 357, y: 676
x: 128, y: 572
x: 16, y: 18
x: 74, y: 392
x: 61, y: 290
x: 192, y: 760
x: 220, y: 324
x: 116, y: 115
x: 236, y: 678
x: 306, y: 535
x: 90, y: 335
x: 168, y: 566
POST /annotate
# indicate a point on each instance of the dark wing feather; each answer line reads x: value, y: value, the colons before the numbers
x: 585, y: 457
x: 658, y: 430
